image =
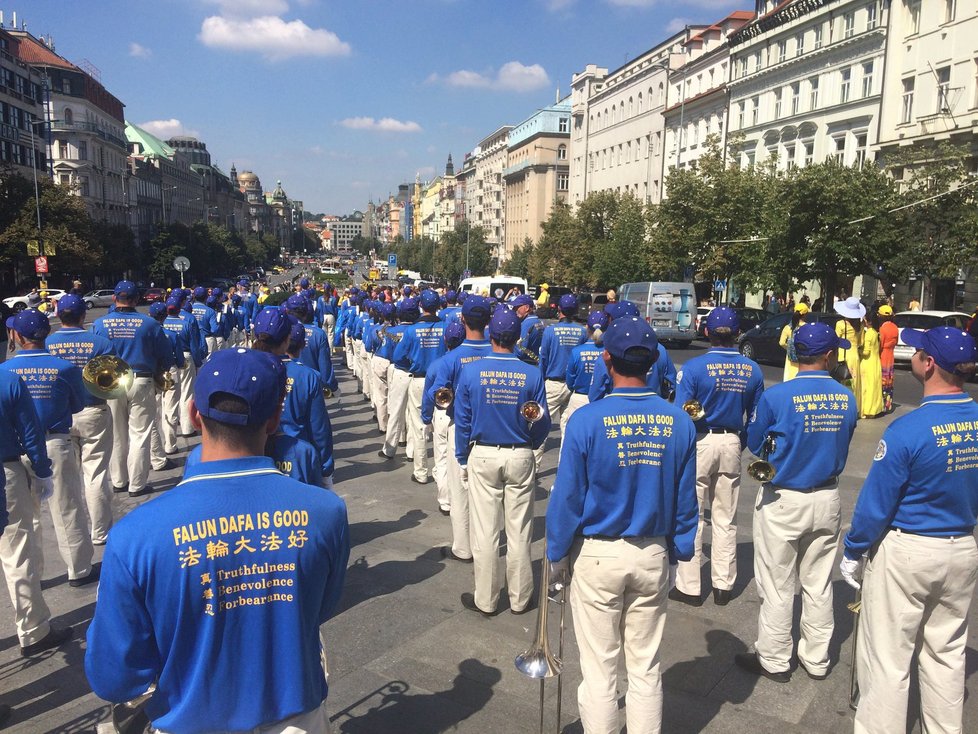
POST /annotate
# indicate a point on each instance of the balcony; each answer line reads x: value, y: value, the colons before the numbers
x: 60, y: 126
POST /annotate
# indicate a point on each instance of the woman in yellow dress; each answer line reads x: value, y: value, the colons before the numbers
x: 870, y: 373
x: 787, y: 340
x: 850, y: 327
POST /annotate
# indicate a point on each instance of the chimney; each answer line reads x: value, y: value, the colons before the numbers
x: 14, y: 22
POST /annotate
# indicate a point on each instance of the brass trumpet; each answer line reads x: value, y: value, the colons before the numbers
x: 531, y: 411
x: 761, y: 469
x: 694, y: 409
x: 107, y: 376
x: 444, y: 397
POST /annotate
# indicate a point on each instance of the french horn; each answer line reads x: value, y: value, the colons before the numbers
x: 107, y: 376
x: 694, y: 409
x: 531, y: 411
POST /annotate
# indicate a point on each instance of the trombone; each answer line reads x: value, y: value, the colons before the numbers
x: 107, y: 376
x: 531, y: 411
x: 538, y: 661
x: 444, y: 396
x: 762, y: 470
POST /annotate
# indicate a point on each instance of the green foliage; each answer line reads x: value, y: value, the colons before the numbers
x: 518, y: 263
x: 445, y: 259
x: 212, y: 250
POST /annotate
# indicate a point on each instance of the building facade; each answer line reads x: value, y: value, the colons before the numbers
x: 345, y: 230
x: 23, y: 139
x: 484, y: 200
x: 224, y: 204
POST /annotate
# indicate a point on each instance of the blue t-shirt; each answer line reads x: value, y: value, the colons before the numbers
x: 580, y: 367
x: 423, y: 342
x: 215, y: 591
x: 79, y: 346
x: 54, y: 384
x: 137, y: 339
x: 206, y: 319
x: 627, y: 470
x: 727, y: 384
x: 556, y: 345
x: 21, y: 431
x: 813, y: 418
x: 316, y: 354
x: 304, y: 414
x: 924, y: 477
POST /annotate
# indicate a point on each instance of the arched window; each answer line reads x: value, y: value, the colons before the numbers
x: 561, y: 152
x: 631, y: 107
x: 640, y: 103
x: 598, y: 127
x: 69, y: 116
x: 659, y: 99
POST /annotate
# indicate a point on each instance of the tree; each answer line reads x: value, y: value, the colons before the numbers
x: 560, y: 255
x: 613, y: 242
x: 518, y: 262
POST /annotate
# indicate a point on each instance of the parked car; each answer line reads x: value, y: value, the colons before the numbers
x: 923, y: 320
x: 669, y: 307
x: 19, y: 303
x: 99, y: 299
x: 591, y: 302
x: 761, y: 342
x: 699, y: 321
x: 152, y: 295
x: 749, y: 318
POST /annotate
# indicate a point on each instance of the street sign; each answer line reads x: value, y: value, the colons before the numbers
x: 688, y: 273
x: 181, y: 264
x: 40, y: 265
x: 466, y: 274
x: 49, y: 249
x: 720, y: 285
x: 392, y: 263
x: 33, y: 248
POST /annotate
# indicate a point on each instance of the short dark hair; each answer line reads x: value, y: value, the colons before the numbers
x: 264, y: 343
x: 476, y: 323
x: 70, y: 318
x: 722, y: 336
x: 627, y: 368
x: 810, y: 359
x: 508, y: 341
x: 228, y: 433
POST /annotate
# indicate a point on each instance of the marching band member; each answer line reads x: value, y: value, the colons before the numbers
x: 728, y: 386
x: 531, y: 329
x: 453, y: 309
x: 915, y: 520
x: 494, y: 444
x: 315, y: 354
x: 363, y: 358
x: 380, y: 364
x: 56, y: 388
x: 194, y: 350
x: 811, y: 419
x: 439, y: 418
x: 91, y: 428
x: 141, y: 342
x: 423, y: 342
x: 206, y: 319
x: 327, y: 310
x: 398, y: 383
x: 163, y: 439
x: 580, y: 366
x: 558, y: 341
x: 621, y: 513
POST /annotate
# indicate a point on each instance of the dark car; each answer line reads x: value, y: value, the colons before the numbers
x: 550, y: 310
x: 749, y: 318
x: 761, y: 342
x: 152, y: 295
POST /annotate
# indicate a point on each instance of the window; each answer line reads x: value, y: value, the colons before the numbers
x: 82, y: 151
x: 848, y: 25
x: 799, y: 44
x: 777, y: 104
x: 813, y: 93
x: 640, y: 103
x: 844, y: 87
x: 867, y: 78
x: 860, y: 149
x: 563, y: 125
x: 837, y: 148
x: 561, y: 152
x: 795, y: 98
x: 906, y: 114
x: 818, y: 36
x: 809, y: 152
x: 943, y: 89
x: 790, y: 151
x: 757, y: 61
x: 743, y: 66
x: 63, y: 150
x: 66, y: 88
x: 871, y: 17
x: 563, y: 182
x: 83, y: 185
x: 638, y: 148
x: 69, y: 116
x: 741, y: 110
x: 913, y: 9
x: 975, y: 103
x: 755, y: 110
x: 782, y: 51
x: 950, y: 7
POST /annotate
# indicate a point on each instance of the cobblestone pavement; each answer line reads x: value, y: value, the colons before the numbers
x: 405, y: 656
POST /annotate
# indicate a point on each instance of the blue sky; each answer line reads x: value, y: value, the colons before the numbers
x: 343, y: 101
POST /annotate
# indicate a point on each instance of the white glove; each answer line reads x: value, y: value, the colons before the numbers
x: 45, y: 488
x: 560, y: 573
x: 328, y: 482
x: 464, y: 470
x: 852, y: 571
x: 673, y: 570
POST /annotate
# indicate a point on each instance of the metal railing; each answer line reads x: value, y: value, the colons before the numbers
x: 62, y: 126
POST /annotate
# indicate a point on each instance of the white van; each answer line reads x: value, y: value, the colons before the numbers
x: 496, y: 286
x: 670, y: 308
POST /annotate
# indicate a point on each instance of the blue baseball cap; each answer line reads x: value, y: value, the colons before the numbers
x: 217, y: 292
x: 598, y: 320
x: 631, y: 339
x: 620, y: 309
x: 297, y: 332
x: 303, y: 282
x: 521, y: 300
x: 429, y: 299
x: 30, y: 324
x: 476, y: 307
x: 157, y: 309
x: 567, y: 303
x: 451, y: 296
x: 70, y: 303
x: 125, y: 288
x: 408, y: 306
x: 297, y: 303
x: 462, y: 296
x: 387, y: 310
x: 243, y: 283
x: 818, y: 338
x: 274, y: 322
x: 200, y: 292
x: 504, y: 323
x: 723, y: 317
x: 454, y: 334
x: 948, y: 346
x: 174, y: 302
x: 408, y: 290
x: 257, y: 378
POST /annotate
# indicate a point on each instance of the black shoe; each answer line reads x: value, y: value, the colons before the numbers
x: 120, y: 490
x: 382, y: 433
x: 721, y: 597
x: 84, y: 580
x: 468, y: 601
x: 676, y: 595
x: 418, y: 481
x: 142, y: 492
x: 382, y: 455
x: 55, y: 638
x: 447, y: 552
x: 166, y: 465
x: 402, y: 443
x: 524, y: 610
x: 812, y: 675
x: 749, y: 662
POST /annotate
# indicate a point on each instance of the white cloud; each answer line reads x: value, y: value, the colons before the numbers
x: 676, y: 24
x: 555, y: 6
x: 166, y: 129
x: 511, y: 77
x: 139, y: 51
x: 250, y: 8
x: 273, y: 37
x: 385, y: 125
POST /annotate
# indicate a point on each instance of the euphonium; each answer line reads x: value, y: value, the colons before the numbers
x: 694, y: 409
x: 107, y: 376
x: 531, y: 411
x: 762, y: 470
x: 444, y: 397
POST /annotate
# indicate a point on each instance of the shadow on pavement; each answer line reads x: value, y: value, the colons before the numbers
x: 393, y: 709
x: 364, y: 581
x: 365, y: 532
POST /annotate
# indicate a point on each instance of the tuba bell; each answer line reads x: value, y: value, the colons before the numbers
x: 694, y: 409
x: 444, y: 397
x: 761, y: 469
x: 107, y: 376
x: 531, y: 411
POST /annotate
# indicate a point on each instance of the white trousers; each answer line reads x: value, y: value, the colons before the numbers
x: 717, y: 488
x: 163, y: 439
x: 796, y: 535
x: 132, y: 424
x: 348, y: 350
x: 366, y: 374
x: 355, y: 346
x: 311, y: 722
x: 212, y: 345
x: 329, y: 325
x: 20, y: 554
x: 380, y: 368
x: 91, y: 434
x: 916, y: 596
x: 441, y: 427
x: 618, y: 599
x: 557, y: 397
x: 68, y: 511
x: 417, y: 431
x: 501, y: 485
x: 458, y: 492
x: 397, y: 399
x: 186, y: 379
x: 575, y: 401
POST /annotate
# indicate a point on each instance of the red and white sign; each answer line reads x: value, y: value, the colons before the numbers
x: 41, y: 264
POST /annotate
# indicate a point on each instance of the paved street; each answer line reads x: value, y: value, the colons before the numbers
x: 405, y: 656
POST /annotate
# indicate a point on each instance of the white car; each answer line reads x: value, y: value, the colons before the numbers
x: 923, y: 320
x: 19, y: 303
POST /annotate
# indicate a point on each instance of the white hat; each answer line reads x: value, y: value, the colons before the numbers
x: 850, y: 308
